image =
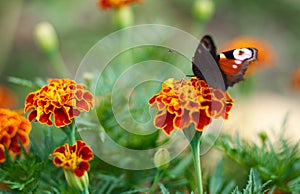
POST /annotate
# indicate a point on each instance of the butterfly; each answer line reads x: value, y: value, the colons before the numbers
x: 232, y: 64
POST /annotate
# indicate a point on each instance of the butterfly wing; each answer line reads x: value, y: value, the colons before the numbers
x: 208, y: 43
x: 234, y: 64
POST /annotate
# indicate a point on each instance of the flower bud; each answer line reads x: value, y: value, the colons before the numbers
x: 263, y: 137
x: 78, y: 183
x: 46, y: 37
x: 88, y: 78
x: 204, y: 9
x: 123, y: 17
x: 162, y: 158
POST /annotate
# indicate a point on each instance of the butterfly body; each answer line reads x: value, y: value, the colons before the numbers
x: 232, y: 64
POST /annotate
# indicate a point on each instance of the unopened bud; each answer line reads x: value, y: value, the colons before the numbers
x: 46, y: 37
x: 78, y: 183
x: 162, y: 158
x: 263, y: 137
x: 88, y: 78
x: 204, y: 9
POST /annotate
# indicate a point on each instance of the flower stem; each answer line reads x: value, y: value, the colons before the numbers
x: 70, y: 132
x: 85, y: 191
x: 195, y: 148
x: 58, y: 64
x: 156, y: 180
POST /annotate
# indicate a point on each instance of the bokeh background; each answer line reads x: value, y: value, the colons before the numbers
x: 80, y: 24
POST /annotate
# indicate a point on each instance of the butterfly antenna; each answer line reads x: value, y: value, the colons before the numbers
x: 190, y: 75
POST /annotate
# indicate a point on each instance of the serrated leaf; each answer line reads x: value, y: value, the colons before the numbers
x: 253, y: 186
x: 217, y: 182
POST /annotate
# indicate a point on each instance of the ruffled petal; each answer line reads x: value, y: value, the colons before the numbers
x: 62, y: 99
x: 14, y: 129
x: 185, y: 102
x: 74, y: 158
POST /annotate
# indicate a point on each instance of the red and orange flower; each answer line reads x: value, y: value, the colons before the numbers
x: 73, y: 158
x: 7, y: 98
x: 185, y: 102
x: 115, y: 4
x: 14, y: 128
x: 63, y: 99
x: 296, y: 79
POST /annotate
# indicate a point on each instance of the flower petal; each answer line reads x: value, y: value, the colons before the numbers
x: 61, y: 98
x: 185, y: 102
x: 75, y: 157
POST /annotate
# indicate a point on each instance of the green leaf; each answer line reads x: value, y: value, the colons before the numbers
x: 253, y: 186
x: 294, y: 185
x: 217, y: 183
x: 163, y: 189
x: 138, y: 190
x: 275, y: 161
x: 181, y: 167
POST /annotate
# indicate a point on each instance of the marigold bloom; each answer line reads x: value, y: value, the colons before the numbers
x: 181, y: 103
x: 73, y: 158
x: 7, y: 98
x: 296, y: 79
x: 13, y: 128
x: 109, y: 4
x: 266, y: 54
x: 61, y: 98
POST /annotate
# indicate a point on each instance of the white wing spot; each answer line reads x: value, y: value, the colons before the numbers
x: 234, y: 66
x: 242, y: 54
x: 222, y: 56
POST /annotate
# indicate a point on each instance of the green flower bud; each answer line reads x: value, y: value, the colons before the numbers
x: 46, y: 37
x: 88, y: 77
x: 263, y: 137
x: 162, y: 158
x: 78, y: 183
x: 204, y: 9
x: 123, y: 17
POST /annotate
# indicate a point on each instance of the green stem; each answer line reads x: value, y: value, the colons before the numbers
x: 58, y: 64
x: 156, y: 181
x: 70, y: 132
x: 85, y: 191
x: 195, y: 148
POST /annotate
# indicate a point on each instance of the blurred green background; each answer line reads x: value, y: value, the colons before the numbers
x: 80, y: 24
x: 265, y: 100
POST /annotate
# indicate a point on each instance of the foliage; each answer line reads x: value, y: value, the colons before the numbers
x: 277, y: 162
x: 253, y: 186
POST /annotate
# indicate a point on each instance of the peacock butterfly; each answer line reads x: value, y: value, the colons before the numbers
x: 232, y: 64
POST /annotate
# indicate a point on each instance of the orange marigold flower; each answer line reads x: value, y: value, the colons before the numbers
x: 296, y: 79
x: 73, y: 158
x: 181, y: 103
x: 109, y: 4
x: 13, y: 128
x: 61, y: 98
x: 266, y: 54
x: 7, y: 98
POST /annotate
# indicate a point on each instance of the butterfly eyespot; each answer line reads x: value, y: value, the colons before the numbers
x: 242, y: 54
